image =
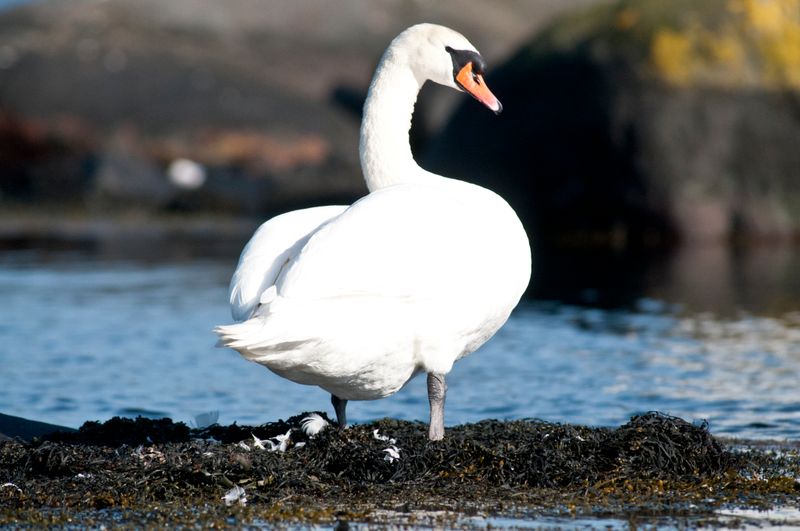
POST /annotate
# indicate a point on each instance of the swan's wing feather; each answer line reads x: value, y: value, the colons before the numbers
x: 267, y: 252
x: 403, y: 241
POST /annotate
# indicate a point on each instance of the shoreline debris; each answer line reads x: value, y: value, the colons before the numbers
x: 655, y: 464
x: 235, y: 495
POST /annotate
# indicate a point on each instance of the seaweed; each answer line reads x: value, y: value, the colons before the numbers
x: 655, y: 462
x: 119, y: 430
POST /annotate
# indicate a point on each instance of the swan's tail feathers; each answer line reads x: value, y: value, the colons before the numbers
x: 240, y: 336
x: 257, y: 340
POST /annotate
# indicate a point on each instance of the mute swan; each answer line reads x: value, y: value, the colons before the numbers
x: 410, y: 278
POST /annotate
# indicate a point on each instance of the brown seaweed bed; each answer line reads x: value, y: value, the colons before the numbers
x: 144, y: 472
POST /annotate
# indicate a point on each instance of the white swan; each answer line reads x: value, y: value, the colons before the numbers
x: 410, y: 278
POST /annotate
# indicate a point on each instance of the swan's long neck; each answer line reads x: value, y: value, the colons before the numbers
x: 385, y: 149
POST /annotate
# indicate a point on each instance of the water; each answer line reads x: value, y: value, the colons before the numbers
x: 86, y: 337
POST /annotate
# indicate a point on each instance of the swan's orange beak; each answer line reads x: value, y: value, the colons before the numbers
x: 475, y: 85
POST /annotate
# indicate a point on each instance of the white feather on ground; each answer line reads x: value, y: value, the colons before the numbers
x: 392, y: 453
x: 282, y: 442
x: 313, y: 424
x: 384, y: 438
x: 258, y: 443
x: 235, y: 495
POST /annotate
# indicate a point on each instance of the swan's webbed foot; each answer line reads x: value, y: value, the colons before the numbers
x: 437, y: 389
x: 339, y: 405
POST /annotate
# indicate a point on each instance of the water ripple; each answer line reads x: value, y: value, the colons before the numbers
x: 87, y: 340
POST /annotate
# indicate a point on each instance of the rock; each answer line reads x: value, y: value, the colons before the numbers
x: 45, y: 162
x: 639, y: 123
x: 124, y: 177
x: 12, y: 427
x: 248, y: 89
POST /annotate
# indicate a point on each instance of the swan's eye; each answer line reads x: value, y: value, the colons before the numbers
x: 464, y: 58
x: 468, y: 69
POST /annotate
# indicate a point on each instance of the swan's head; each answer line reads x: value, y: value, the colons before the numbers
x: 446, y: 57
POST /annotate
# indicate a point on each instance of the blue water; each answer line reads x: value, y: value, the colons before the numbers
x: 87, y: 338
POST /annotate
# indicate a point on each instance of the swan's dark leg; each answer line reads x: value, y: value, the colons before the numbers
x: 436, y: 392
x: 339, y: 406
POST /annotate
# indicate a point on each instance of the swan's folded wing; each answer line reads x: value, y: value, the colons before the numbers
x: 403, y: 241
x: 267, y: 252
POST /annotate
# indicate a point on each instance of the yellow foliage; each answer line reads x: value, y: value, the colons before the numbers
x: 784, y: 60
x: 764, y: 15
x: 757, y: 42
x: 725, y: 49
x: 774, y: 25
x: 671, y: 54
x: 726, y: 59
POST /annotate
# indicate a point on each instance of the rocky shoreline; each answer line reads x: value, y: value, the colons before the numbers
x: 157, y: 472
x: 628, y: 125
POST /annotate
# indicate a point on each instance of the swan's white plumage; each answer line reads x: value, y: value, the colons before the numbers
x: 409, y: 239
x: 267, y: 251
x: 413, y: 276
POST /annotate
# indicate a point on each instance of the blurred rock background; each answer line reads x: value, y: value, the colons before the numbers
x: 643, y: 123
x: 98, y: 99
x: 630, y: 125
